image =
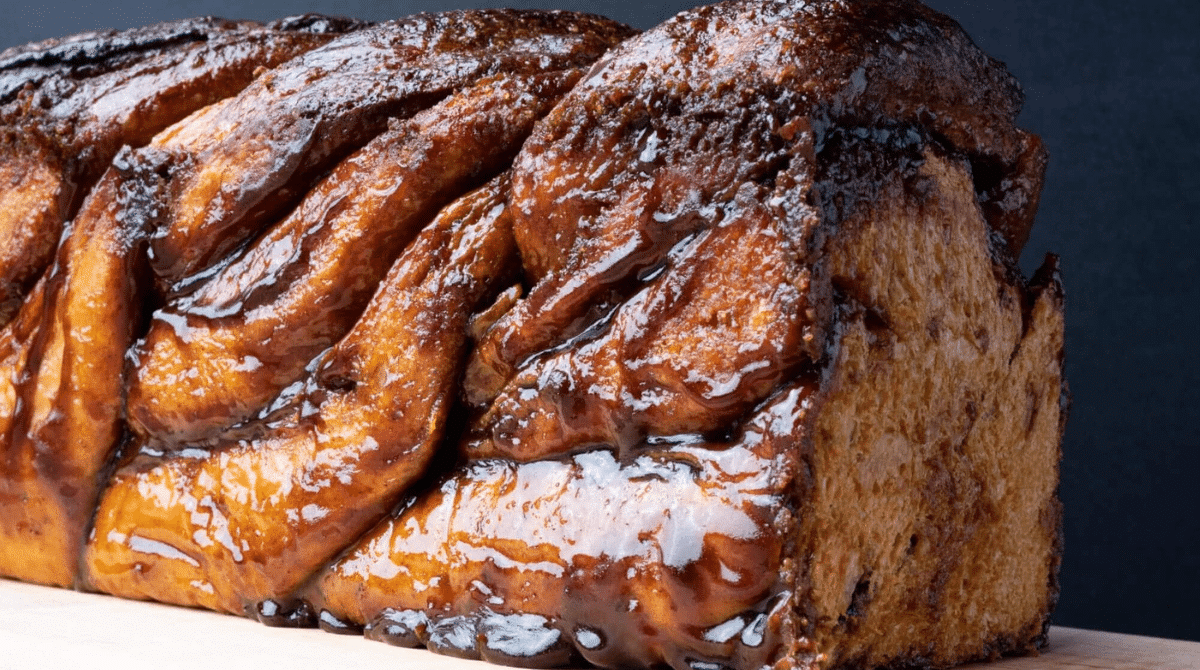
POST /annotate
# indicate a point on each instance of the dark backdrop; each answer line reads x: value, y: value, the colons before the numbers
x: 1113, y: 89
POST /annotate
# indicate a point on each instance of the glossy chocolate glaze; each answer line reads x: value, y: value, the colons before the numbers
x: 67, y: 106
x: 94, y: 53
x: 691, y: 159
x: 709, y: 337
x: 287, y: 614
x: 247, y: 517
x: 672, y: 125
x: 122, y: 88
x: 675, y: 555
x: 217, y: 356
x: 61, y: 386
x: 237, y: 165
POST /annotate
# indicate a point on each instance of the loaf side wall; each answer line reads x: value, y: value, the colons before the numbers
x: 931, y: 531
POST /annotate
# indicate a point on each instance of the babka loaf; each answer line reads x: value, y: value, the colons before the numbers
x: 520, y: 336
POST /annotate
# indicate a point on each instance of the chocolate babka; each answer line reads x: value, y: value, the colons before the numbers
x: 520, y: 336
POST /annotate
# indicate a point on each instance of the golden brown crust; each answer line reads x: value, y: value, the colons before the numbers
x: 907, y: 263
x: 230, y: 516
x: 671, y: 556
x: 67, y: 106
x: 217, y: 356
x: 662, y: 137
x: 31, y: 216
x: 234, y: 167
x: 75, y: 101
x: 62, y: 405
x: 248, y: 518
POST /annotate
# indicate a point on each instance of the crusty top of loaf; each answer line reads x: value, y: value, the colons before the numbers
x: 730, y: 103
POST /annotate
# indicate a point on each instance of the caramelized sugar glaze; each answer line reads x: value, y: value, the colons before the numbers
x: 67, y: 106
x: 499, y: 332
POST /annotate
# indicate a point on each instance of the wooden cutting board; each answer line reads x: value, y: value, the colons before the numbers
x: 1072, y: 648
x: 54, y: 628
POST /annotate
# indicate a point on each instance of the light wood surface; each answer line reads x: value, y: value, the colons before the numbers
x: 1072, y: 648
x: 54, y: 628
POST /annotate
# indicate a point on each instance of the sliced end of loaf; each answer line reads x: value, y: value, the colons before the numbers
x: 930, y: 534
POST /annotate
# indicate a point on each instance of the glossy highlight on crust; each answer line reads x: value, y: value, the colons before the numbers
x: 522, y: 337
x: 68, y: 106
x: 250, y: 515
x: 692, y: 544
x: 217, y: 356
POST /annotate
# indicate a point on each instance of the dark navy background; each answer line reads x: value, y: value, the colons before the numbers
x: 1113, y: 87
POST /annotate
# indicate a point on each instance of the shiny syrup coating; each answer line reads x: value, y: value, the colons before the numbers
x: 715, y: 333
x: 238, y: 165
x: 673, y: 556
x: 671, y: 126
x: 367, y: 416
x: 61, y: 386
x: 685, y: 163
x: 249, y: 517
x: 217, y: 356
x: 67, y: 106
